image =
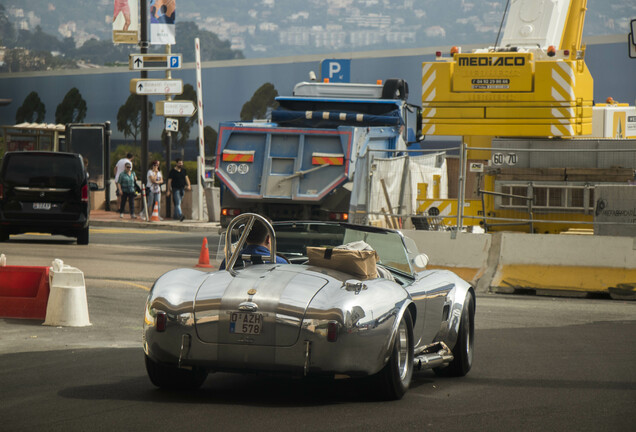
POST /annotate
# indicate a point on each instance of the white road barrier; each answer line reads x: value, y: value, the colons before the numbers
x: 67, y: 305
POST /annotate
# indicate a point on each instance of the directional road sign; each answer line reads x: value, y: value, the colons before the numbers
x: 154, y: 61
x: 146, y: 86
x: 178, y: 108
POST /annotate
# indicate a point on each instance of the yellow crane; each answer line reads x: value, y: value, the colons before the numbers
x: 533, y: 84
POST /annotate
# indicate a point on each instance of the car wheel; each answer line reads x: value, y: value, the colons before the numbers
x: 82, y: 237
x: 463, y: 350
x: 4, y: 236
x: 396, y: 376
x: 173, y: 378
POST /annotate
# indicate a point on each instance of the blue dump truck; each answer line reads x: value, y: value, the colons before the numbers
x: 312, y: 159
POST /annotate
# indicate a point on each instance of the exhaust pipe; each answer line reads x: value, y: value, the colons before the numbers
x: 434, y: 355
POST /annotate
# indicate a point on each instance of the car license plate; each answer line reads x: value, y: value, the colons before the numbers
x: 41, y: 206
x: 246, y: 323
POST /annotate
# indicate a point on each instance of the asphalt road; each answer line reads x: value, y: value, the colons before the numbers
x: 541, y: 363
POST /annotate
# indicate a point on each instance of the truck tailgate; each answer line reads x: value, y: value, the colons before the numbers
x: 283, y: 163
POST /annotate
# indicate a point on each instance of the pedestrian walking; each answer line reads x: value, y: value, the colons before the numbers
x: 178, y: 183
x: 120, y: 167
x: 126, y: 187
x: 154, y: 180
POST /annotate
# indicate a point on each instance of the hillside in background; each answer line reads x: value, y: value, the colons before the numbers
x: 271, y: 28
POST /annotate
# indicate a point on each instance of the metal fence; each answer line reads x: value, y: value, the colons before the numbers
x: 534, y: 186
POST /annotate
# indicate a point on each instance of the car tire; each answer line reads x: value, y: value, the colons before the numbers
x: 82, y: 237
x: 395, y: 377
x: 172, y: 378
x: 463, y: 350
x: 4, y: 236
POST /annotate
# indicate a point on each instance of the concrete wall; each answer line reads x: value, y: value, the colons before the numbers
x: 466, y: 255
x: 505, y: 262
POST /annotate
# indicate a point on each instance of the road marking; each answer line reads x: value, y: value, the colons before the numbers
x: 128, y: 230
x: 191, y: 252
x: 132, y: 284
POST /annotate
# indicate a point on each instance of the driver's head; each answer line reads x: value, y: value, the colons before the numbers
x: 259, y: 234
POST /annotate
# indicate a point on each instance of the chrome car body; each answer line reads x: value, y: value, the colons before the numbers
x: 312, y: 320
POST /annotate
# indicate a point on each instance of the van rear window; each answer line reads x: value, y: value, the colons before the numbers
x: 29, y: 169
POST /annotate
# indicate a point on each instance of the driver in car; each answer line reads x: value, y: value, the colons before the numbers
x: 257, y: 244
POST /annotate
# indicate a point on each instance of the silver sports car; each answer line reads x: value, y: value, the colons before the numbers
x: 366, y: 309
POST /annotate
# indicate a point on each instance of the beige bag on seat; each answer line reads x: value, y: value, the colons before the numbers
x: 347, y: 258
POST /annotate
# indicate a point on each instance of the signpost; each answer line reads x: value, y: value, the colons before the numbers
x: 175, y: 108
x: 154, y: 61
x: 146, y: 86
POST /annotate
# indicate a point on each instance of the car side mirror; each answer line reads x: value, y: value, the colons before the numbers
x: 93, y: 186
x: 420, y: 261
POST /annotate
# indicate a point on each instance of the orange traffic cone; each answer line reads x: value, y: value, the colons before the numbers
x: 204, y: 256
x: 155, y: 214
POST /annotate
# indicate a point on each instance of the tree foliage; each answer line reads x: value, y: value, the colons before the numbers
x: 7, y: 31
x: 129, y: 116
x: 36, y: 50
x: 72, y: 109
x: 102, y: 52
x: 212, y: 48
x: 261, y: 101
x: 32, y: 110
x: 38, y: 40
x: 210, y: 136
x: 121, y: 151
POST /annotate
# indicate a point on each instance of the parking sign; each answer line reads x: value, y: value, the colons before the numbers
x: 336, y: 70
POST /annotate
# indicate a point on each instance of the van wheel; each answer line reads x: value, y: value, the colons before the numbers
x: 82, y: 237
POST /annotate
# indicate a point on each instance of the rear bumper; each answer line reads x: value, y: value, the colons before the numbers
x: 25, y: 224
x: 356, y: 353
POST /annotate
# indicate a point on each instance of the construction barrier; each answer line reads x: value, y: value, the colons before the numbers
x: 463, y: 253
x: 67, y: 304
x: 507, y: 262
x: 584, y: 264
x: 24, y: 292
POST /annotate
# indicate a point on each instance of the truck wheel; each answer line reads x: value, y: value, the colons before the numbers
x: 463, y: 350
x: 395, y: 378
x: 173, y: 378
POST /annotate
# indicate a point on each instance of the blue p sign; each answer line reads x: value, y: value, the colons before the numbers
x: 336, y: 70
x: 173, y: 62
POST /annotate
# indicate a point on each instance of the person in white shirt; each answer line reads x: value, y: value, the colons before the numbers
x: 120, y: 167
x: 154, y: 180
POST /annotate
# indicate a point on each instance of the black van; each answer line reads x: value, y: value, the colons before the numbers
x: 44, y: 192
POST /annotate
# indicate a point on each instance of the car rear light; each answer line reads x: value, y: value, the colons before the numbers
x: 332, y: 331
x: 161, y: 321
x: 85, y: 193
x: 230, y: 212
x: 338, y: 216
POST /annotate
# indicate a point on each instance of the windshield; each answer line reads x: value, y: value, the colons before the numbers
x: 293, y: 238
x: 43, y: 170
